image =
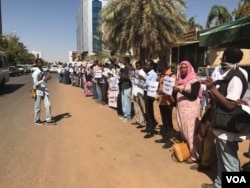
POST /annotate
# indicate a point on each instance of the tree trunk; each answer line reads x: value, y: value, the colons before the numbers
x: 143, y: 55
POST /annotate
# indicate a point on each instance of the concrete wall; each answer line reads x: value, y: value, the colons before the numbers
x: 214, y: 55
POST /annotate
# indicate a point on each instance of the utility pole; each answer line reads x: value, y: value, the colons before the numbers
x: 1, y: 31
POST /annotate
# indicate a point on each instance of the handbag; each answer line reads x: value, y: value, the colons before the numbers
x: 236, y: 121
x: 202, y: 129
x: 204, y: 125
x: 180, y: 151
x: 32, y: 93
x: 33, y: 90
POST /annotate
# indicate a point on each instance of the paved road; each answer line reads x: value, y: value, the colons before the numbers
x: 88, y: 148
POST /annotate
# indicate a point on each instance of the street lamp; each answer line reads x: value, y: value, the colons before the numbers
x: 1, y: 30
x: 29, y: 47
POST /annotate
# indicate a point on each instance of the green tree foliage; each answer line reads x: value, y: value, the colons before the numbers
x: 243, y: 9
x: 218, y: 15
x: 15, y: 50
x: 192, y: 23
x: 146, y: 26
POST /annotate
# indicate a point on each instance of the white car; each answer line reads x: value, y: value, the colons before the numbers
x: 53, y: 69
x: 20, y: 68
x: 33, y: 68
x: 205, y: 72
x: 45, y: 68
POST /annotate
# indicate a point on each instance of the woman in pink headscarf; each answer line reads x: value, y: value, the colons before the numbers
x: 188, y: 106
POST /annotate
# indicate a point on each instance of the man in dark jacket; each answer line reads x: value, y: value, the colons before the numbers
x: 231, y: 88
x: 126, y: 90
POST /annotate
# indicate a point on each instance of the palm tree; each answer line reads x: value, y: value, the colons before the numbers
x: 218, y: 15
x: 146, y: 25
x: 243, y: 9
x: 192, y: 23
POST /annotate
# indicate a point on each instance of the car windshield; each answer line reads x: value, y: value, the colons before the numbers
x: 204, y: 72
x: 201, y: 73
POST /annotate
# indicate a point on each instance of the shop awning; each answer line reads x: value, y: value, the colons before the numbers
x: 184, y: 43
x: 236, y: 32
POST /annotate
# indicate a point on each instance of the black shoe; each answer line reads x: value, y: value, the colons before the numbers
x: 246, y: 154
x: 149, y: 135
x: 144, y: 130
x: 194, y: 167
x: 202, y: 168
x: 190, y: 161
x: 156, y: 132
x: 38, y: 122
x: 167, y: 145
x: 160, y: 141
x: 155, y: 122
x: 206, y: 185
x: 51, y: 121
x: 135, y: 123
x: 139, y: 126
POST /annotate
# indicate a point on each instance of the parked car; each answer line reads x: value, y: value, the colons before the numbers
x: 21, y: 69
x: 53, y: 69
x: 205, y: 72
x: 33, y: 68
x: 203, y: 75
x: 25, y: 69
x: 45, y: 68
x: 28, y: 67
x: 13, y: 71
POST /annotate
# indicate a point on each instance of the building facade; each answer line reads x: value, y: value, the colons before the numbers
x: 87, y: 26
x: 37, y: 54
x: 73, y: 56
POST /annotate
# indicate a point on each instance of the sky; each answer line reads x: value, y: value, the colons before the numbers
x: 49, y: 26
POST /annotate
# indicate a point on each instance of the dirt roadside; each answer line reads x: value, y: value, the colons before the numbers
x: 115, y: 154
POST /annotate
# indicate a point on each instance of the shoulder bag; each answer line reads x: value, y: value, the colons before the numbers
x: 33, y: 90
x: 32, y: 93
x: 236, y: 121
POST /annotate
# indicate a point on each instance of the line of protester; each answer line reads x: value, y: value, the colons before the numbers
x: 132, y: 90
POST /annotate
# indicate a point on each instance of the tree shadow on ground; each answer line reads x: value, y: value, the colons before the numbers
x: 10, y: 88
x: 61, y: 116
